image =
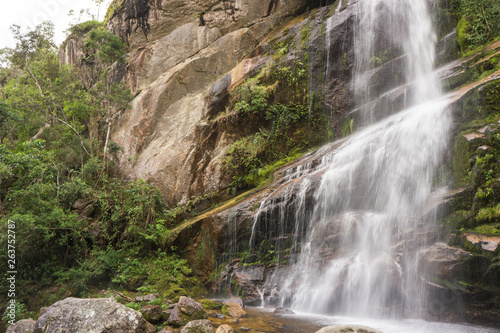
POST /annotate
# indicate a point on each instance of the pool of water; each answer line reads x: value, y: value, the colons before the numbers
x: 260, y: 320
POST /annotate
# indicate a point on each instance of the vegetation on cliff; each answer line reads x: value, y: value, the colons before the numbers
x: 78, y: 225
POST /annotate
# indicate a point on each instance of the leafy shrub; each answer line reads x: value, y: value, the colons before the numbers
x: 480, y: 22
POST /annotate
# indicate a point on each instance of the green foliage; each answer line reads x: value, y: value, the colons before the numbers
x: 225, y: 310
x: 278, y: 100
x: 490, y: 229
x: 134, y: 306
x: 31, y: 45
x: 252, y: 98
x: 84, y: 27
x: 78, y: 225
x: 488, y: 214
x: 19, y: 312
x: 109, y: 47
x: 305, y: 33
x: 479, y: 24
x: 114, y: 6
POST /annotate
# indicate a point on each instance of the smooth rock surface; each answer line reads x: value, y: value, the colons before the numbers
x: 235, y: 300
x: 99, y: 315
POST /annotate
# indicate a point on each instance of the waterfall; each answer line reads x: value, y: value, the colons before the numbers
x: 359, y: 241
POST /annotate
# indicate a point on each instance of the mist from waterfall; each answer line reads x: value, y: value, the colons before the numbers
x: 370, y: 216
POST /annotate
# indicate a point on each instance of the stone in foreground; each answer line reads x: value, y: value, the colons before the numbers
x: 98, y: 315
x: 186, y: 310
x: 224, y: 329
x: 198, y: 326
x: 22, y: 326
x: 233, y: 310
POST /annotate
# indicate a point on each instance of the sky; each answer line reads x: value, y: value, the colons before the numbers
x: 29, y: 13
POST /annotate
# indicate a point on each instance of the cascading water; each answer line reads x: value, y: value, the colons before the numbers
x: 358, y: 254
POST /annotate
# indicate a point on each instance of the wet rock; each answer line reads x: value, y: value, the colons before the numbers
x: 224, y: 329
x: 444, y: 261
x: 244, y: 329
x: 283, y: 311
x: 348, y: 329
x: 198, y: 326
x: 235, y: 300
x: 186, y: 310
x: 147, y: 298
x: 98, y: 315
x: 152, y: 313
x: 22, y: 326
x: 487, y: 243
x: 233, y: 310
x: 216, y: 315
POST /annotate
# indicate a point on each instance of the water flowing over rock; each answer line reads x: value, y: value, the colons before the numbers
x: 91, y: 315
x: 347, y: 329
x: 352, y: 217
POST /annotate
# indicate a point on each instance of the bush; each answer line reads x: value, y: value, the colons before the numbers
x: 480, y: 22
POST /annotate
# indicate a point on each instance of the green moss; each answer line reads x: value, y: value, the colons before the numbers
x: 489, y: 229
x: 114, y: 6
x: 225, y: 310
x: 305, y: 33
x: 462, y: 27
x: 211, y: 305
x: 347, y: 125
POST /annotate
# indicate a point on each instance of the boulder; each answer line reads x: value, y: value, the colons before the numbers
x: 487, y: 243
x: 165, y: 314
x: 224, y: 329
x: 97, y: 315
x: 235, y: 300
x: 198, y: 326
x: 209, y: 304
x: 146, y: 298
x: 23, y: 326
x: 186, y: 310
x: 348, y: 329
x: 233, y: 310
x: 216, y: 315
x: 152, y: 313
x: 444, y: 261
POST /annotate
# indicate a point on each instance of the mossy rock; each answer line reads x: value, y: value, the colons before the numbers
x: 209, y: 304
